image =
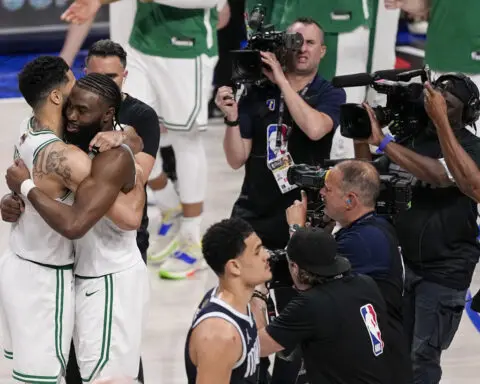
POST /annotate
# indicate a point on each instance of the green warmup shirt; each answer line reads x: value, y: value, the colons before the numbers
x: 160, y: 30
x: 335, y: 16
x: 453, y: 37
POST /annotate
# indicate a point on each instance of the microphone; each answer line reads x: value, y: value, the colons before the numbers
x: 355, y: 80
x: 363, y: 79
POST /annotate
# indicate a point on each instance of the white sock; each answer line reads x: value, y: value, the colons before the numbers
x: 167, y: 197
x: 190, y: 229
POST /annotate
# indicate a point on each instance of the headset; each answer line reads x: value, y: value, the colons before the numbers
x: 471, y: 111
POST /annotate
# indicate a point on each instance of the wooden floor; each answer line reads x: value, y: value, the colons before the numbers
x: 173, y: 302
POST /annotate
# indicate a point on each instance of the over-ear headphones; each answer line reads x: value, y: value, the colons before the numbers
x: 471, y: 112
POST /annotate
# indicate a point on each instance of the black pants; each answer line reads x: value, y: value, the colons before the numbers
x: 432, y: 315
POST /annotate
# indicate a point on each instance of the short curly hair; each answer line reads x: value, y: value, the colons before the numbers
x: 225, y: 241
x: 41, y: 76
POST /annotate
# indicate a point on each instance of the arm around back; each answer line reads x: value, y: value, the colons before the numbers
x: 94, y: 196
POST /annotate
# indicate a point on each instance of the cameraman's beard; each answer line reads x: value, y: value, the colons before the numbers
x: 83, y: 136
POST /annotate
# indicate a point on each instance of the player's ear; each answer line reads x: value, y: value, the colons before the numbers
x: 109, y: 115
x: 232, y: 267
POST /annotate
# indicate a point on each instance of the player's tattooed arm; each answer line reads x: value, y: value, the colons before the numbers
x: 54, y: 161
x: 94, y: 196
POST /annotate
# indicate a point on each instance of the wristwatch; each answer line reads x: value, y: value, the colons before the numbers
x: 294, y: 228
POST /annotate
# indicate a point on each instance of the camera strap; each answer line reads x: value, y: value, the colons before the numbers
x: 283, y: 133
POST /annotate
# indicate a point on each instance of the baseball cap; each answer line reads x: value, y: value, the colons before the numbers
x: 315, y: 250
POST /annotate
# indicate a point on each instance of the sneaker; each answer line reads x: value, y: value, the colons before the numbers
x: 187, y: 260
x: 166, y: 241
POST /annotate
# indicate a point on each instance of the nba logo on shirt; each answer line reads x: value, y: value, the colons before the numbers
x: 370, y: 319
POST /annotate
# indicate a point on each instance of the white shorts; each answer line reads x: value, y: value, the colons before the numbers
x: 38, y: 310
x: 177, y: 89
x: 109, y: 316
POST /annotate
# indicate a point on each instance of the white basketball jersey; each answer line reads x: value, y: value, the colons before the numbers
x: 106, y: 248
x: 31, y: 237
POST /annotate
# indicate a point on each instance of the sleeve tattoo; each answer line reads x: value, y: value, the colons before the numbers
x: 53, y: 162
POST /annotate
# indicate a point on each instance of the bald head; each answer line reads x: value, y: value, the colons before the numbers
x: 362, y: 178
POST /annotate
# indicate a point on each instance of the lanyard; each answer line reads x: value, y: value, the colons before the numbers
x: 283, y: 133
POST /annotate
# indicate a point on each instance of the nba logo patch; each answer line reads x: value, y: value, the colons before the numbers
x: 370, y: 319
x: 271, y: 104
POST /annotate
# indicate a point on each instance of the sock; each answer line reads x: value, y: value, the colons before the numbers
x: 167, y: 198
x: 190, y: 229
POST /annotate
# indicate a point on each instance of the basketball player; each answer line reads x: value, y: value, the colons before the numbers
x: 36, y: 270
x: 170, y: 68
x: 108, y: 264
x: 222, y: 344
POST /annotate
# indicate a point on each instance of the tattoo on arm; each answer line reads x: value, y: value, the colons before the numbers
x: 53, y: 162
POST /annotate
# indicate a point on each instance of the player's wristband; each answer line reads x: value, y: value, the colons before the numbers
x: 231, y: 123
x: 387, y: 139
x: 27, y: 186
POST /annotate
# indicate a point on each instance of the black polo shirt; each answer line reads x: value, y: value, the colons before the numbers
x: 438, y: 234
x: 338, y: 326
x: 371, y: 245
x: 144, y: 119
x: 261, y: 202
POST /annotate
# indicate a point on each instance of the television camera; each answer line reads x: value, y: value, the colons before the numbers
x: 404, y: 111
x: 247, y: 63
x: 395, y: 195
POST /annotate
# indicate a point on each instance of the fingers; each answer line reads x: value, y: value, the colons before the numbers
x: 225, y: 98
x: 370, y: 111
x: 304, y: 198
x: 11, y: 208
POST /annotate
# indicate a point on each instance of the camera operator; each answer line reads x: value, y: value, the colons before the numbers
x: 337, y: 318
x: 369, y: 242
x: 438, y: 234
x: 306, y: 107
x: 291, y: 119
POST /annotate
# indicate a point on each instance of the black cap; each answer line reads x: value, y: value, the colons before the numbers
x: 459, y: 87
x: 315, y: 250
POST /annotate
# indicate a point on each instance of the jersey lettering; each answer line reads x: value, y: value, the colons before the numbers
x: 253, y: 358
x: 370, y: 319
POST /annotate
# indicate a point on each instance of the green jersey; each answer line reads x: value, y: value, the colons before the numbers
x: 453, y: 37
x: 334, y: 16
x: 161, y: 30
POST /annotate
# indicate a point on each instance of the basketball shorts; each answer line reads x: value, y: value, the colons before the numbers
x: 38, y: 309
x: 109, y: 316
x: 177, y: 89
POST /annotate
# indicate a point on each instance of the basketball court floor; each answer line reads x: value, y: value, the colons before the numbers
x: 173, y: 302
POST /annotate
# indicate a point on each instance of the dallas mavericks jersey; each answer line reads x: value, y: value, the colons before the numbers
x: 31, y: 237
x: 245, y: 370
x: 106, y: 248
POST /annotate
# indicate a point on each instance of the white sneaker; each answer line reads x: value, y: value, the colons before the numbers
x: 166, y: 238
x: 187, y: 260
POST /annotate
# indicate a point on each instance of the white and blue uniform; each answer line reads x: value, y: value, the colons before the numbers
x: 36, y: 283
x: 245, y: 370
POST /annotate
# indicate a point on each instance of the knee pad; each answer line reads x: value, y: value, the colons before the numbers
x: 191, y: 166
